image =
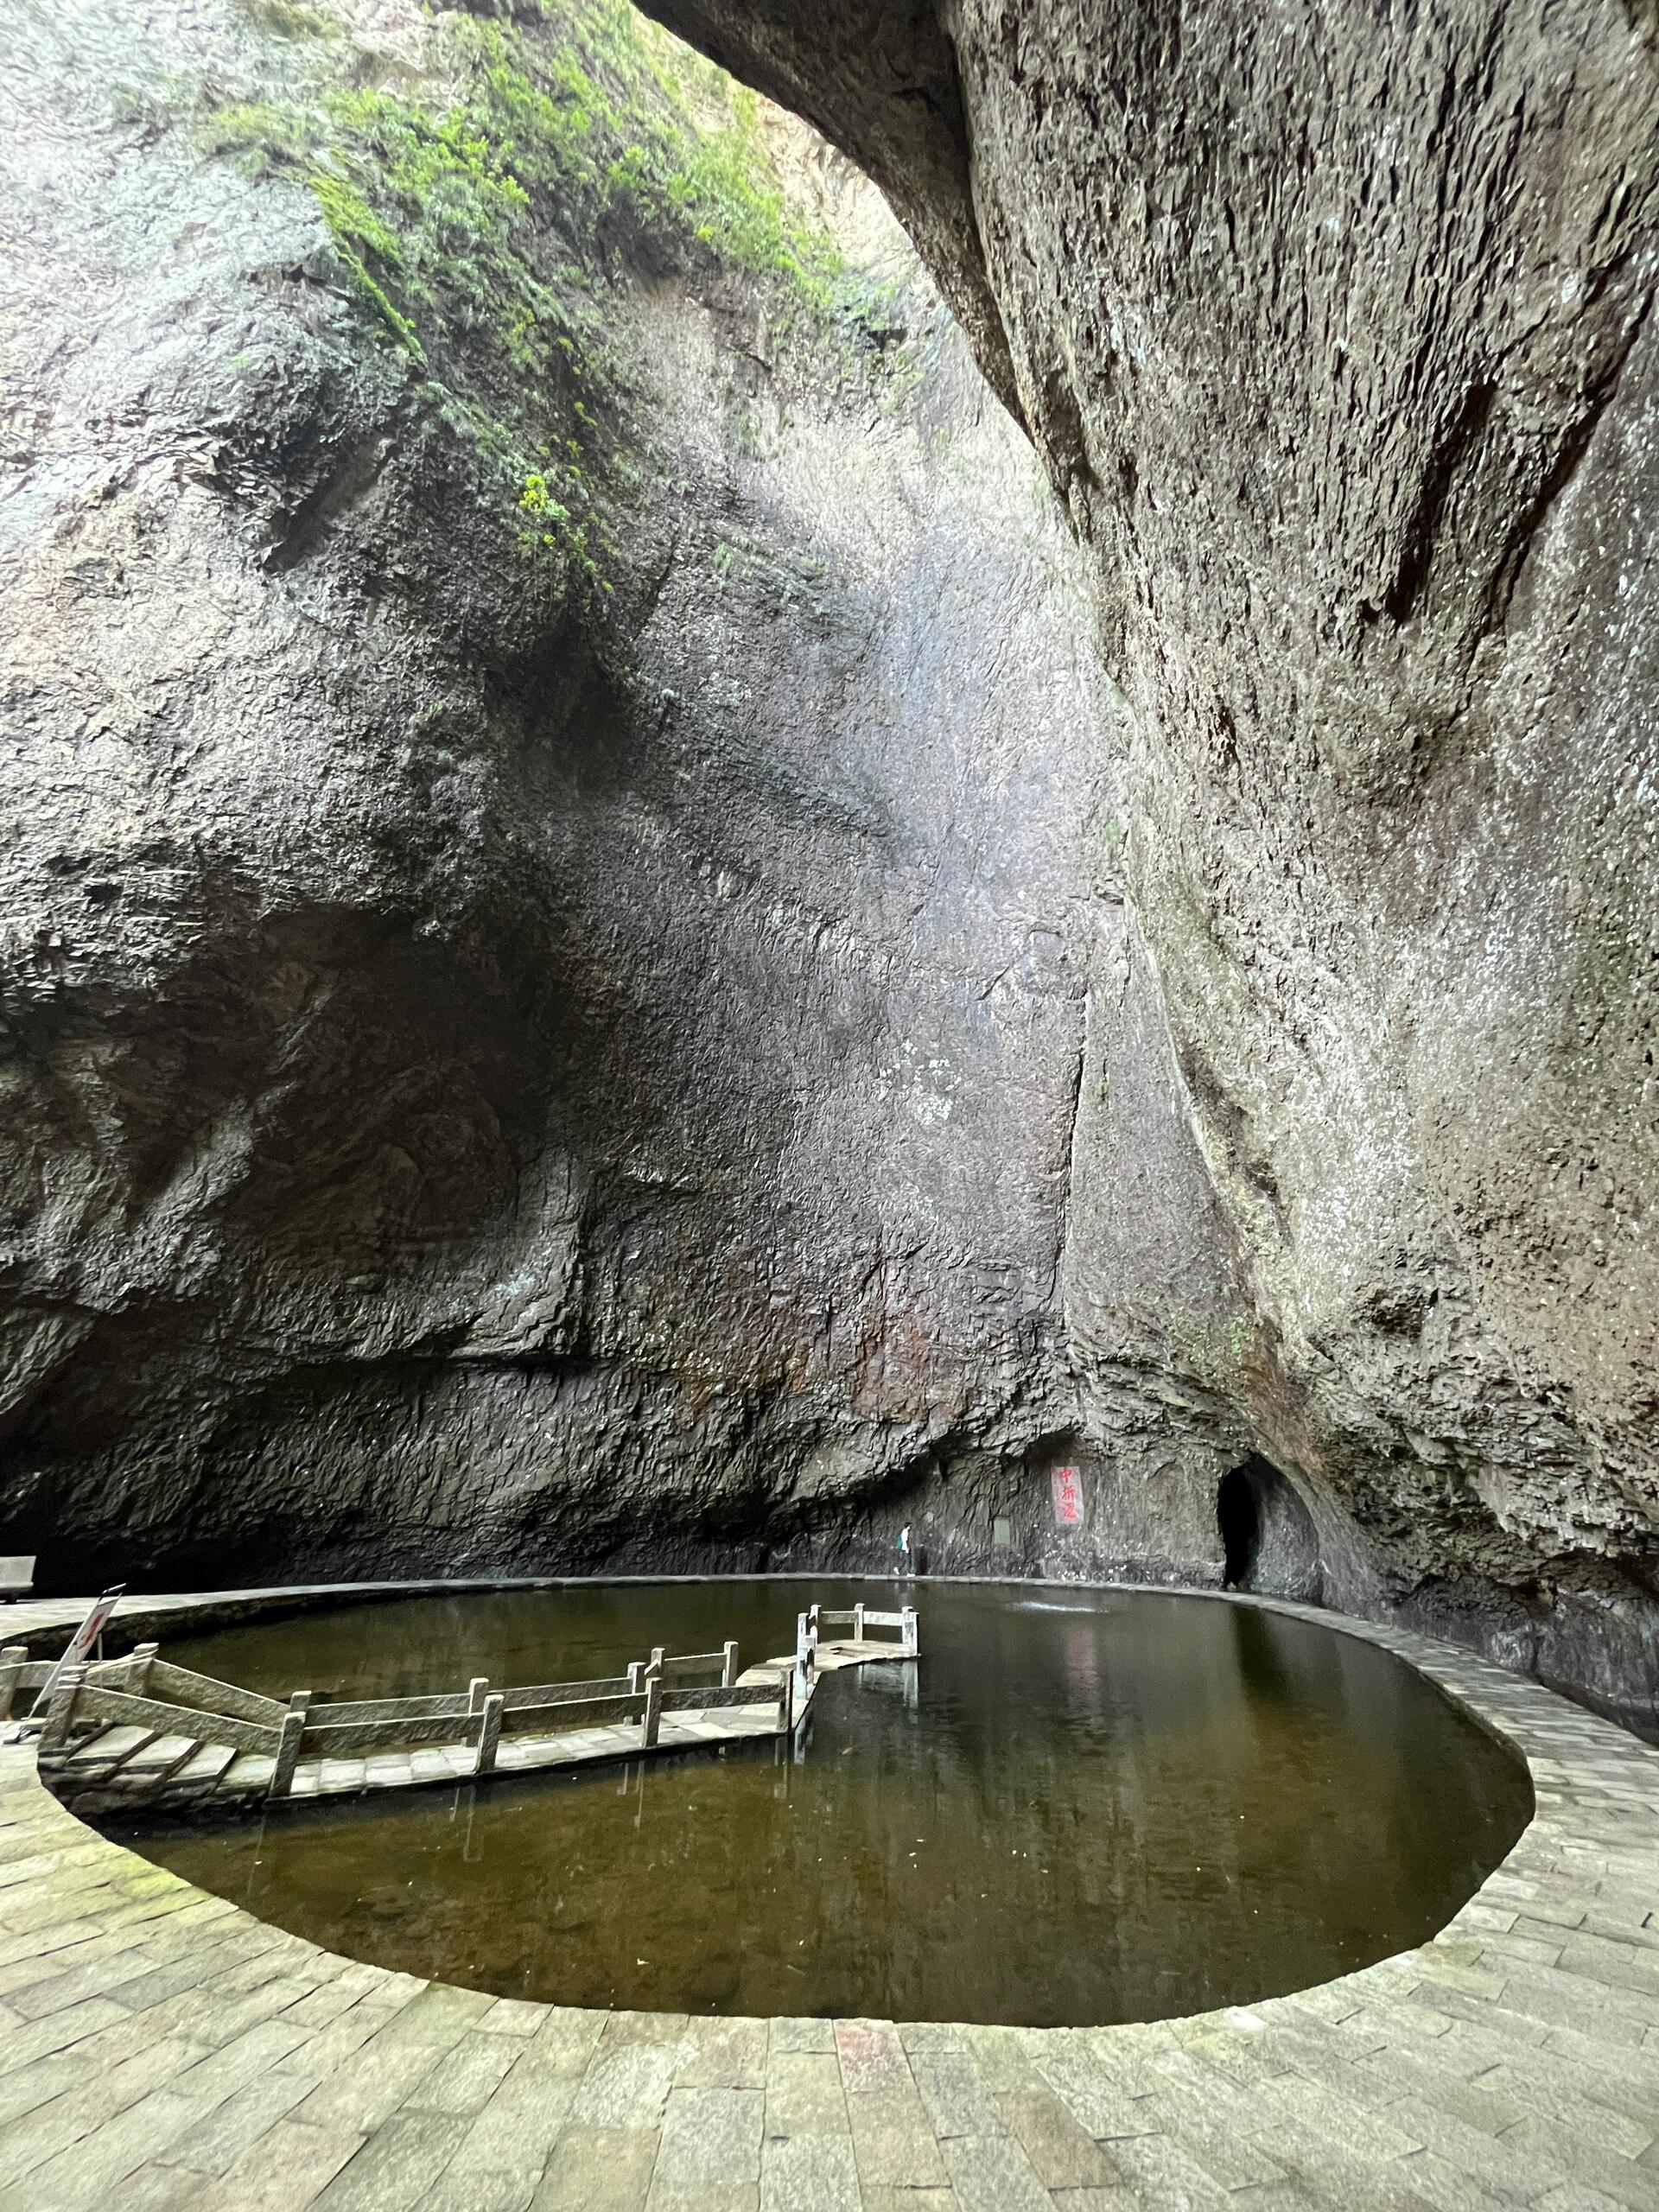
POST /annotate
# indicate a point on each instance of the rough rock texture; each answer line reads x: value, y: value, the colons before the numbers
x: 1333, y: 327
x: 503, y: 1076
x: 501, y: 1072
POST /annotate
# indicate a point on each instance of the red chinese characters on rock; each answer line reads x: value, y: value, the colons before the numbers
x: 1067, y: 1497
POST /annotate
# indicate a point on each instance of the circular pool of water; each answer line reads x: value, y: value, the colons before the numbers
x: 1078, y: 1808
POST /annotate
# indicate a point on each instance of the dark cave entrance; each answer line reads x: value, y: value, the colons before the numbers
x: 1238, y: 1516
x: 1268, y: 1542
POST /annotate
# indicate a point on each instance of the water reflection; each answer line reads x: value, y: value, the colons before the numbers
x: 1080, y: 1811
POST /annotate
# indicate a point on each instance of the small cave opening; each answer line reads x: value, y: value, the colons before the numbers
x: 1238, y: 1517
x: 1269, y: 1542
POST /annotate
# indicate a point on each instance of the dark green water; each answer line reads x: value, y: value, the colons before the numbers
x: 1076, y: 1808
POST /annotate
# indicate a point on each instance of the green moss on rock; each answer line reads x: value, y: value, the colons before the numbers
x: 480, y: 218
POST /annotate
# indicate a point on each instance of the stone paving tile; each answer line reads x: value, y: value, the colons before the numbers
x: 1165, y: 2173
x: 809, y: 2173
x: 892, y: 2144
x: 162, y: 2052
x: 471, y: 2073
x: 219, y: 2139
x: 564, y: 2043
x: 1569, y: 2094
x: 246, y: 2057
x: 1615, y: 1965
x: 598, y: 2170
x: 515, y: 2131
x: 956, y: 2099
x: 711, y: 2140
x: 881, y: 2198
x: 1499, y: 2163
x: 620, y: 2028
x: 154, y: 2189
x: 1573, y: 2196
x: 29, y: 2086
x: 1105, y: 2200
x: 1295, y: 2138
x: 511, y: 2015
x: 723, y: 2055
x: 327, y: 2051
x: 486, y: 2191
x: 991, y: 2173
x: 1210, y: 2137
x: 1002, y: 2058
x: 396, y: 2167
x: 1386, y: 2078
x: 29, y: 2143
x: 872, y: 2056
x: 1062, y: 2155
x: 378, y: 2078
x: 626, y: 2088
x: 1408, y: 2184
x: 285, y: 2170
x: 1126, y: 2056
x: 1096, y: 2100
x: 804, y: 2096
x: 1575, y: 2155
x: 85, y: 2171
x: 932, y: 2036
x: 58, y: 2031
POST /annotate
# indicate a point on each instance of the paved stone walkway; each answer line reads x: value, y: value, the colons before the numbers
x: 160, y: 2048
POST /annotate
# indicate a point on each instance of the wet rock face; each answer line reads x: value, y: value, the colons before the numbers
x: 502, y: 1073
x: 1333, y: 331
x: 696, y: 1021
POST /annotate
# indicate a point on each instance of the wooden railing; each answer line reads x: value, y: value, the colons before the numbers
x: 119, y: 1692
x: 141, y: 1673
x: 862, y: 1619
x: 19, y: 1672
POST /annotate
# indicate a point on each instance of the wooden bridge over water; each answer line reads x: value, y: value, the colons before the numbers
x: 140, y: 1734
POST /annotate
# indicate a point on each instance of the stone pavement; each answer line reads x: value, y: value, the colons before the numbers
x: 160, y: 2048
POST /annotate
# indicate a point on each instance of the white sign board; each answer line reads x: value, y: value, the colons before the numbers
x: 81, y: 1642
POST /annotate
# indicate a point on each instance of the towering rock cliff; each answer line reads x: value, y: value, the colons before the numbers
x: 625, y: 942
x: 562, y: 847
x: 1333, y: 326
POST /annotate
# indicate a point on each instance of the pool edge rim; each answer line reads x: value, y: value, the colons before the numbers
x: 1518, y: 1711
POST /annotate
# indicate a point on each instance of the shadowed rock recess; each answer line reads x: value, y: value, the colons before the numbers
x: 625, y: 945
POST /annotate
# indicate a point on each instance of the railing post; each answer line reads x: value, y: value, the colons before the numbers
x: 800, y: 1637
x: 288, y: 1745
x: 60, y: 1714
x: 657, y: 1656
x: 477, y: 1690
x: 653, y: 1715
x: 138, y: 1661
x: 728, y: 1665
x: 14, y: 1656
x: 787, y: 1700
x: 909, y: 1631
x: 812, y: 1619
x: 636, y: 1676
x: 858, y: 1624
x: 489, y: 1733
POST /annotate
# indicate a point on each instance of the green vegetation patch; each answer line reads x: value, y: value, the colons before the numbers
x: 480, y: 219
x: 284, y: 19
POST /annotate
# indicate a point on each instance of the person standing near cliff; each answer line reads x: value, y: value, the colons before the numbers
x: 903, y: 1567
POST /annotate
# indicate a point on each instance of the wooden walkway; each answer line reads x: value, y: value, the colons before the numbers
x: 141, y: 1735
